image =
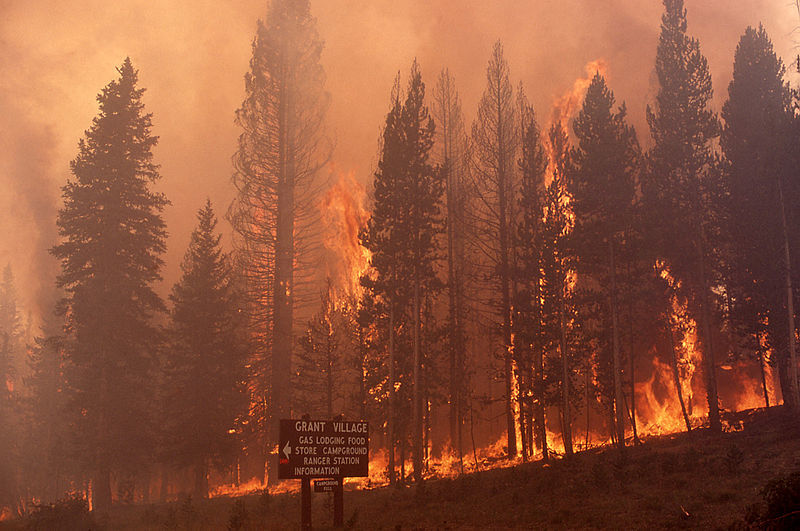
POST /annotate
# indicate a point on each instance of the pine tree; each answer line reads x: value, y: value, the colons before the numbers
x: 404, y: 228
x: 205, y: 371
x: 601, y: 188
x: 319, y: 371
x: 558, y: 305
x: 9, y: 427
x: 48, y: 466
x: 756, y: 140
x: 683, y: 189
x: 528, y: 301
x: 495, y: 139
x: 113, y: 236
x: 453, y: 155
x: 275, y: 213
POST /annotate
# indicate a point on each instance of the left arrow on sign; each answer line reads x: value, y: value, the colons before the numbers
x: 287, y: 450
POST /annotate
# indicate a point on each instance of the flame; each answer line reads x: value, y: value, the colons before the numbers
x: 343, y: 216
x: 658, y: 407
x: 515, y: 390
x: 565, y: 106
x: 254, y: 486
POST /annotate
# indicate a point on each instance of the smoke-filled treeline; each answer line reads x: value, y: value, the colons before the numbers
x: 537, y: 278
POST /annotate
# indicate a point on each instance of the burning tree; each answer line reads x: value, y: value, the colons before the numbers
x: 495, y: 140
x: 205, y: 370
x: 113, y: 237
x: 275, y: 213
x: 756, y: 140
x: 402, y: 237
x: 601, y: 188
x: 683, y: 190
x: 529, y: 301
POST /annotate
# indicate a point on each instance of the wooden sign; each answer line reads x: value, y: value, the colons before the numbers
x: 323, y: 449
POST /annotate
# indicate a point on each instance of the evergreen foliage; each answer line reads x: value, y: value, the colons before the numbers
x: 683, y: 191
x: 113, y: 236
x: 205, y: 392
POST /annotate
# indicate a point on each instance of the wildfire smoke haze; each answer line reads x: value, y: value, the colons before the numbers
x: 396, y: 321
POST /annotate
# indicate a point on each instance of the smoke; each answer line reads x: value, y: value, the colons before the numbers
x: 29, y: 198
x: 192, y: 56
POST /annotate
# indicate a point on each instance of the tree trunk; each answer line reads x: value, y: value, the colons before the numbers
x: 586, y: 402
x: 618, y: 397
x: 472, y: 436
x: 677, y: 375
x: 632, y: 366
x: 417, y: 422
x: 101, y: 490
x: 390, y: 422
x: 567, y: 426
x: 530, y: 412
x: 363, y: 382
x: 201, y: 480
x: 708, y: 344
x: 403, y: 461
x: 283, y: 288
x: 523, y: 420
x: 163, y: 489
x: 539, y: 412
x: 505, y: 300
x: 795, y: 387
x: 540, y: 420
x: 763, y: 376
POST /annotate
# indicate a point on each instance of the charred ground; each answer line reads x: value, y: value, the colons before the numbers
x: 696, y: 480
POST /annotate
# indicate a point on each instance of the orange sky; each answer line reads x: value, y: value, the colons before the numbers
x: 192, y: 54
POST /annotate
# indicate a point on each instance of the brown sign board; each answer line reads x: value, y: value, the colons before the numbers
x: 325, y: 485
x: 323, y: 449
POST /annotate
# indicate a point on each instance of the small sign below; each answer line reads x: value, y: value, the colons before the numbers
x: 325, y: 485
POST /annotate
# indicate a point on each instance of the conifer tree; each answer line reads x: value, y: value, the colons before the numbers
x: 45, y: 457
x: 558, y: 306
x: 205, y: 370
x: 495, y: 140
x: 404, y: 228
x: 528, y: 301
x: 275, y: 212
x: 452, y: 153
x: 756, y: 142
x: 113, y: 236
x: 9, y: 427
x: 601, y: 188
x: 683, y: 190
x: 319, y: 371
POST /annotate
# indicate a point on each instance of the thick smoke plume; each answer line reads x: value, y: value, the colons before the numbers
x: 192, y: 56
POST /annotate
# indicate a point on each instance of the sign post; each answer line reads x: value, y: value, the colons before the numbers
x: 322, y: 449
x: 338, y: 503
x: 305, y: 504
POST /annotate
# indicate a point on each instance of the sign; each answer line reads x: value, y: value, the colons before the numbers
x: 323, y: 449
x: 325, y: 485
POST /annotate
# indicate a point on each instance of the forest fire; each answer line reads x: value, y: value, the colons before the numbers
x: 344, y: 214
x: 565, y: 106
x: 496, y: 287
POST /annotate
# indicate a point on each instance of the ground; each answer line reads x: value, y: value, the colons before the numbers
x: 698, y: 480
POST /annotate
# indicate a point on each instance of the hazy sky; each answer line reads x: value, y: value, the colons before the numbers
x: 55, y: 56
